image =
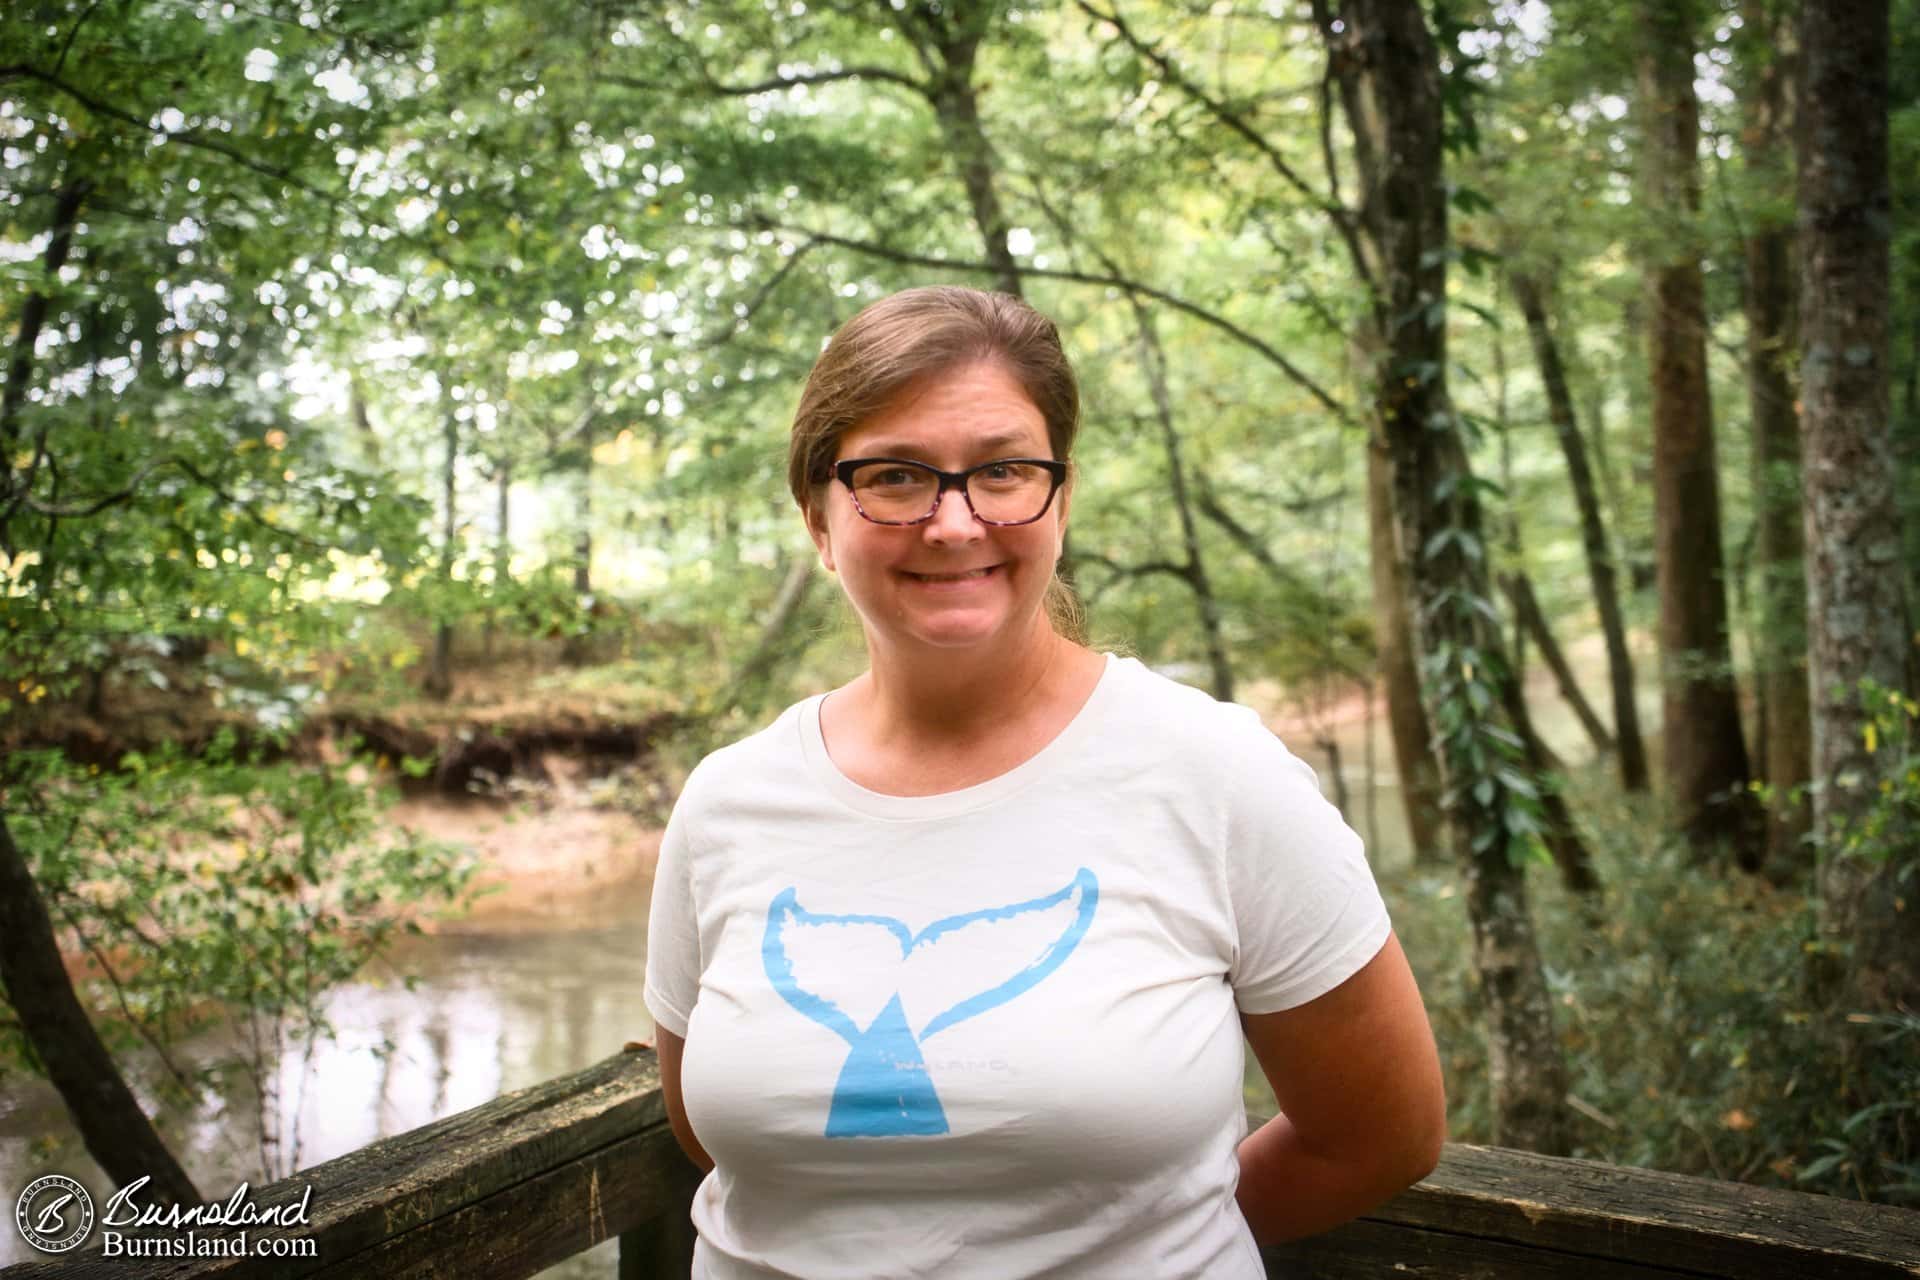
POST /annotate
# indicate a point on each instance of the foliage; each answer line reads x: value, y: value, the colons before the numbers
x: 1888, y: 827
x: 1693, y: 1041
x: 219, y: 888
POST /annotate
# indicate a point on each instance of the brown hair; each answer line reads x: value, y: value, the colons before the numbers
x: 916, y: 334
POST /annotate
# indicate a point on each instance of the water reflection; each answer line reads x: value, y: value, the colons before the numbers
x: 491, y: 1012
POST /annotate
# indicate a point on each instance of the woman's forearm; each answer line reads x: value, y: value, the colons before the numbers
x: 1288, y: 1191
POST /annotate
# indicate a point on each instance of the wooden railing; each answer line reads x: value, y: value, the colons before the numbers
x: 516, y: 1185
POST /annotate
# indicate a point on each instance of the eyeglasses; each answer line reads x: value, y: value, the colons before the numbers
x: 1006, y: 491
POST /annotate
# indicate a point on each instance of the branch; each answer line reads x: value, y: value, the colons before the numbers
x: 759, y: 299
x: 818, y: 77
x: 1330, y: 205
x: 1141, y: 570
x: 1219, y: 110
x: 185, y: 137
x: 1299, y: 377
x: 130, y: 490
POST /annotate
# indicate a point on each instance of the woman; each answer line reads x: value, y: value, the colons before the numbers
x: 951, y: 965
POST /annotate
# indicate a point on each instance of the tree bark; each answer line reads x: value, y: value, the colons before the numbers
x: 1393, y: 644
x: 1388, y: 71
x: 1856, y: 599
x: 1153, y: 362
x: 1785, y: 739
x: 773, y: 632
x: 1526, y: 608
x: 118, y: 1134
x: 502, y: 539
x: 33, y: 315
x: 1569, y: 853
x: 1706, y: 757
x: 1632, y: 752
x: 439, y: 682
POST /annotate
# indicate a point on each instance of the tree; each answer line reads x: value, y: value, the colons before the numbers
x: 1705, y: 755
x: 1531, y: 295
x: 1858, y: 614
x: 1387, y: 68
x: 1783, y: 742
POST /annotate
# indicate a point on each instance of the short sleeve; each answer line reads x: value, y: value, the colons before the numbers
x: 1307, y: 912
x: 673, y: 928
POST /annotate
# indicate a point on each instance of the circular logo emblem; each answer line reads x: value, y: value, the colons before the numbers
x: 54, y: 1213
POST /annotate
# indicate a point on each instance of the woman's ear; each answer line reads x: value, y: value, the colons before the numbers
x: 1065, y: 502
x: 816, y: 518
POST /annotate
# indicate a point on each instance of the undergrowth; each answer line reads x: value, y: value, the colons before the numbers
x: 1681, y: 999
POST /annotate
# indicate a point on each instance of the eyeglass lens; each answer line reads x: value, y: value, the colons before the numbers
x: 1007, y: 492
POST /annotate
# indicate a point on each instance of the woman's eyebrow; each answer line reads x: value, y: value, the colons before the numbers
x: 910, y: 449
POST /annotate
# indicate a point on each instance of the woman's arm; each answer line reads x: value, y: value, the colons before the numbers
x: 1362, y: 1109
x: 670, y: 1047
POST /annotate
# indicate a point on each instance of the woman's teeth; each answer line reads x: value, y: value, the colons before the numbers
x: 953, y: 577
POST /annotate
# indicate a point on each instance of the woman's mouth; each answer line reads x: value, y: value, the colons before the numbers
x: 969, y: 575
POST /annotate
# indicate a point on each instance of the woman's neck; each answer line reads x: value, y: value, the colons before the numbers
x: 956, y: 697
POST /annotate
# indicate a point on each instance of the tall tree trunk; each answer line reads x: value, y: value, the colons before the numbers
x: 1393, y: 645
x: 575, y: 649
x: 956, y: 102
x: 772, y: 645
x: 1632, y: 752
x: 1570, y: 854
x: 117, y: 1132
x: 439, y: 682
x: 1785, y: 741
x: 1856, y: 599
x: 1153, y: 361
x: 33, y: 315
x: 1705, y: 756
x: 1527, y: 612
x: 502, y: 539
x: 1388, y: 72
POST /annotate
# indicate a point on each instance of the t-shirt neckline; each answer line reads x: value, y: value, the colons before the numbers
x: 877, y: 804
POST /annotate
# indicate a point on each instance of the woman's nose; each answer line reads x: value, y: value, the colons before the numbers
x: 952, y: 518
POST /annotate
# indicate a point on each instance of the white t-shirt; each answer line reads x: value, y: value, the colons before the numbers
x: 992, y: 1033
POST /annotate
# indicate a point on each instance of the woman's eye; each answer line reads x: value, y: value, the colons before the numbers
x: 894, y: 477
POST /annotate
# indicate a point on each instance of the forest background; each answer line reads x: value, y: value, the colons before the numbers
x: 398, y: 392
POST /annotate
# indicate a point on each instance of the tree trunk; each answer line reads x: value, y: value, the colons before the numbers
x: 575, y: 650
x: 1785, y: 746
x: 1388, y: 72
x: 1336, y: 773
x: 956, y: 103
x: 769, y: 648
x: 1530, y: 294
x: 116, y: 1131
x: 1153, y: 362
x: 1569, y: 852
x: 1372, y: 791
x: 1856, y: 601
x: 1526, y: 611
x: 502, y: 539
x: 439, y: 682
x: 33, y: 315
x: 1705, y: 756
x: 1413, y: 756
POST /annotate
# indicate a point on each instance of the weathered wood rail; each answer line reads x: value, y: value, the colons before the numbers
x: 514, y: 1186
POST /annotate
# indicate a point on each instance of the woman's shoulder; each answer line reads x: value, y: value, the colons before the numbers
x: 1186, y: 727
x: 1169, y: 706
x: 751, y: 760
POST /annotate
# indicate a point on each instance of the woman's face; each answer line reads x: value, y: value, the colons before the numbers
x: 900, y: 578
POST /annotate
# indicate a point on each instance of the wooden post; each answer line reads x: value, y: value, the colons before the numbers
x: 661, y: 1248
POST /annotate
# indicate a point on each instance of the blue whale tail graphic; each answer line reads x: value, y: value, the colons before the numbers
x: 844, y: 971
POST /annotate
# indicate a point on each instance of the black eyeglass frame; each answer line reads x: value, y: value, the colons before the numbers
x: 843, y: 472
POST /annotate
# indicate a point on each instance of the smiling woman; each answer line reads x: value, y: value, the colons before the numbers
x: 1002, y: 907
